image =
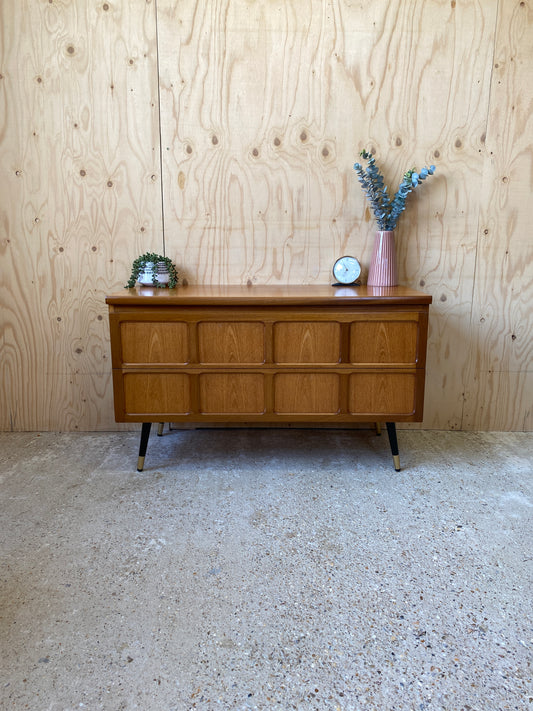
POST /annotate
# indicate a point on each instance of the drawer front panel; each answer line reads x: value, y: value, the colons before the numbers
x: 156, y: 392
x: 154, y: 342
x: 384, y: 342
x: 307, y: 342
x: 306, y: 393
x: 232, y: 393
x: 231, y: 343
x: 382, y: 393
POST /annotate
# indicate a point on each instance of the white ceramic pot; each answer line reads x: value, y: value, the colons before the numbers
x: 146, y: 277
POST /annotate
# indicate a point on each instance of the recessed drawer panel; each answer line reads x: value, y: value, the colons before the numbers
x: 384, y: 342
x: 232, y: 393
x: 306, y: 393
x: 152, y: 393
x: 307, y: 342
x: 231, y: 342
x: 382, y: 393
x: 154, y: 342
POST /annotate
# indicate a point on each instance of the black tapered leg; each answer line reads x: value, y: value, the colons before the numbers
x: 393, y: 439
x: 145, y: 434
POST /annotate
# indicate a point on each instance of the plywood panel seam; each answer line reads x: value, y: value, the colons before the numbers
x: 157, y: 50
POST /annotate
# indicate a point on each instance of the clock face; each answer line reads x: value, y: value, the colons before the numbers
x: 346, y: 270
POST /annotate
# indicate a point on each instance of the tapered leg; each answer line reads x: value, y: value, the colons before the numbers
x: 160, y: 428
x: 145, y: 434
x: 378, y: 428
x: 393, y: 439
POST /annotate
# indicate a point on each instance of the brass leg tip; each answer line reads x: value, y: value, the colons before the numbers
x: 140, y: 464
x: 378, y: 428
x: 396, y: 460
x: 160, y: 428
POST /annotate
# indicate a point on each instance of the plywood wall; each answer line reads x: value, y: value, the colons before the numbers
x: 80, y: 194
x: 262, y: 107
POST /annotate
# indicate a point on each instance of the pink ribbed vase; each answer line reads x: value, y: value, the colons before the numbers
x: 383, y: 267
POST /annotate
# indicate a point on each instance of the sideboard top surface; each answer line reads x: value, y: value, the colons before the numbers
x: 269, y: 295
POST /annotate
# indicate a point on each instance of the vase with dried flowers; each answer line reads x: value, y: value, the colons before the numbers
x: 383, y: 266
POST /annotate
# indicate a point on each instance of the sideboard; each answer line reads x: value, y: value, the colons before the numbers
x: 251, y: 355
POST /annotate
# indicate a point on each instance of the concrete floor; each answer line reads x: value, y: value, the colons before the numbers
x: 255, y: 569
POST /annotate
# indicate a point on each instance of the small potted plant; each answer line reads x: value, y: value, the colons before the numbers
x: 152, y: 269
x: 383, y: 269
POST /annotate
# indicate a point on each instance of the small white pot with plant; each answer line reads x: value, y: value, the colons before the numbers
x: 152, y: 269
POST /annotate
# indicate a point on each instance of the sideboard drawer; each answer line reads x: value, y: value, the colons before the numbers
x: 154, y: 343
x: 385, y: 340
x: 383, y: 393
x: 307, y: 342
x: 231, y: 342
x: 151, y: 393
x: 231, y: 394
x: 306, y: 393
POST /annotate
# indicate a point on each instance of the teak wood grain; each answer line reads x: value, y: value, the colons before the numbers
x: 268, y: 354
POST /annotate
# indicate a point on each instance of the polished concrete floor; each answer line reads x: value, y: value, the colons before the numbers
x: 261, y: 569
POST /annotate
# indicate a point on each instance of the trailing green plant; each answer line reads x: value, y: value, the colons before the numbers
x: 387, y: 211
x: 139, y: 265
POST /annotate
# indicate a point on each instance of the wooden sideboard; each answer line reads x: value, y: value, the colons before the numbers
x: 268, y: 354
